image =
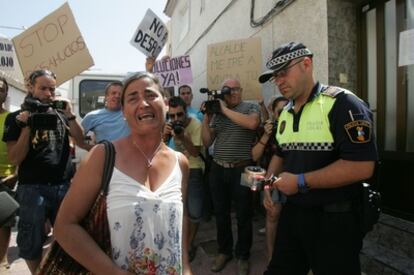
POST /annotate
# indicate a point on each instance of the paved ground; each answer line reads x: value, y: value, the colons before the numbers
x: 207, y: 247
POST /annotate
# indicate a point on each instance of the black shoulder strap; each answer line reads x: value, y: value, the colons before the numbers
x: 108, y: 165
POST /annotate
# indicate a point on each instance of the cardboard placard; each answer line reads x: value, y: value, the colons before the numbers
x: 151, y: 35
x: 54, y: 43
x: 8, y: 60
x: 174, y: 71
x: 239, y: 59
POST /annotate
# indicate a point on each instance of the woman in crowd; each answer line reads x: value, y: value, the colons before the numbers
x: 262, y: 152
x: 145, y: 200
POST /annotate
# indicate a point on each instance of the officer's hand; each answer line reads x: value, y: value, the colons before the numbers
x: 287, y: 183
x: 23, y: 116
x: 268, y: 127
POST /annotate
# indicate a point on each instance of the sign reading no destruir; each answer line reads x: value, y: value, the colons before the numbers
x: 151, y: 35
x: 54, y: 43
x: 7, y: 55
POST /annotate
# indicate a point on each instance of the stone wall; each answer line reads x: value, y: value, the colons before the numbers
x: 342, y: 44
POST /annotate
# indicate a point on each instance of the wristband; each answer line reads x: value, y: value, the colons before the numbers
x: 302, y: 186
x: 71, y: 118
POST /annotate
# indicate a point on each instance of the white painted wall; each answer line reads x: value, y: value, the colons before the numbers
x: 303, y: 20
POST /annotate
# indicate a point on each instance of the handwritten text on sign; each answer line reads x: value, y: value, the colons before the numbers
x: 7, y: 58
x: 239, y: 59
x: 54, y: 43
x: 174, y: 71
x: 151, y: 35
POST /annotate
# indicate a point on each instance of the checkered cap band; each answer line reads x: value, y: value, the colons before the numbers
x: 311, y: 146
x: 287, y: 57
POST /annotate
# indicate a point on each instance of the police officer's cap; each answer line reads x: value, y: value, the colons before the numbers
x: 281, y: 57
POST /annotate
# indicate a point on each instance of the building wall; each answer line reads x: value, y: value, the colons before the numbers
x: 218, y: 21
x: 342, y: 41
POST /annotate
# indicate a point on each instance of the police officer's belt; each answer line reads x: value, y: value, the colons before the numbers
x: 226, y: 164
x: 338, y: 207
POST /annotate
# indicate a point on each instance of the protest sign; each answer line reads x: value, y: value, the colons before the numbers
x: 54, y: 43
x: 239, y: 59
x: 151, y: 35
x: 174, y: 71
x: 8, y: 60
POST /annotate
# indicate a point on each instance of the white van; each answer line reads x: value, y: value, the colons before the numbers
x: 87, y: 92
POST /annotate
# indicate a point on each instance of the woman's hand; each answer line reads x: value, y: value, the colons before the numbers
x: 268, y: 127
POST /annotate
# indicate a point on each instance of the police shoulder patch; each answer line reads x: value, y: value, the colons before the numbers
x: 359, y: 131
x: 333, y: 91
x: 282, y: 127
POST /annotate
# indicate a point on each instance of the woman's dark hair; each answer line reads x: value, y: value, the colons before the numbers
x: 277, y: 100
x: 139, y: 75
x: 177, y: 101
x: 38, y: 73
x: 4, y: 84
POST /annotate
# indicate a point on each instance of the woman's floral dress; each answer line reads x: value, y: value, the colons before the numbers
x: 146, y: 226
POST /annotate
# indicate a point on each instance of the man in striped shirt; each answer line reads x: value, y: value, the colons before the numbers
x: 234, y: 130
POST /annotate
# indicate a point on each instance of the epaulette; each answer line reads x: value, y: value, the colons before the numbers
x: 332, y: 91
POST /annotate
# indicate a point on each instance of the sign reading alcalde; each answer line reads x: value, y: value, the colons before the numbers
x: 7, y: 56
x: 238, y: 59
x: 54, y: 43
x: 174, y: 71
x: 151, y: 35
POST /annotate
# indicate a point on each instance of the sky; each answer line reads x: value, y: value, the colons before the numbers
x: 107, y: 27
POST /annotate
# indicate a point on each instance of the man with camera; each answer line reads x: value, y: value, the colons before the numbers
x: 37, y: 138
x: 232, y: 124
x: 186, y: 94
x: 183, y: 133
x: 325, y: 148
x: 107, y: 123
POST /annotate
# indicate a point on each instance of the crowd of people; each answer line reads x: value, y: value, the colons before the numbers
x: 315, y: 142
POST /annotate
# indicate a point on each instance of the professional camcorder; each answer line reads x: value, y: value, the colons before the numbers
x: 39, y: 118
x: 212, y: 104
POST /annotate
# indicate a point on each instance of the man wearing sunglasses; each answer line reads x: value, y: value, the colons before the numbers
x: 183, y: 134
x: 234, y: 131
x: 325, y: 149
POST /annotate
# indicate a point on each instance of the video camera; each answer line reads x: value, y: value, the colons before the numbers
x: 212, y: 104
x: 178, y: 127
x: 39, y: 118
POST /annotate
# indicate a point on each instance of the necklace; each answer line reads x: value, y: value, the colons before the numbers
x: 148, y: 159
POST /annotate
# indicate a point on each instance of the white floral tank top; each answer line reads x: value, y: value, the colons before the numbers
x: 146, y: 226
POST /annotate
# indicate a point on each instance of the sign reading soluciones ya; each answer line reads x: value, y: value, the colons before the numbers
x: 174, y: 71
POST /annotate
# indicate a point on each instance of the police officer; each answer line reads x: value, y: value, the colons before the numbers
x: 325, y: 149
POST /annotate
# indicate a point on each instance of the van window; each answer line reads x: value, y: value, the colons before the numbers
x: 92, y: 95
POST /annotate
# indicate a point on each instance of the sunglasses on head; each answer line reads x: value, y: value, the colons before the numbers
x: 178, y: 115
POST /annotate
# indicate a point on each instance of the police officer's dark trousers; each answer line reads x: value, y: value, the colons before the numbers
x: 328, y: 241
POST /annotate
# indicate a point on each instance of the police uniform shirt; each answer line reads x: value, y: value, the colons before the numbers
x: 351, y: 126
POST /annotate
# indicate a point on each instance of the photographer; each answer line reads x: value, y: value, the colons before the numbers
x: 37, y: 138
x: 234, y: 129
x: 183, y: 134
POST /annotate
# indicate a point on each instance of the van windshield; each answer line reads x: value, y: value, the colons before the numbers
x: 92, y: 95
